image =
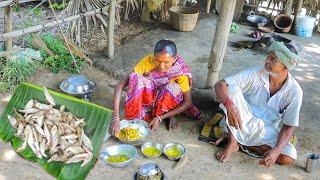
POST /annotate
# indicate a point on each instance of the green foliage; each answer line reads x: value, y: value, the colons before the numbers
x: 16, y: 8
x: 13, y: 73
x: 63, y: 61
x: 38, y: 11
x: 58, y: 6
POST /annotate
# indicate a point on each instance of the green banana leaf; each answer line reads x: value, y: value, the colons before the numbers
x: 97, y: 122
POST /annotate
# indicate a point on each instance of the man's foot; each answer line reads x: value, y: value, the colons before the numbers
x: 225, y: 154
x: 173, y: 123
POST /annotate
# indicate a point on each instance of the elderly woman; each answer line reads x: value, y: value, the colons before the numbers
x: 262, y: 106
x: 158, y: 89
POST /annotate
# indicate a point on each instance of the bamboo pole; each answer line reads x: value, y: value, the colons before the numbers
x: 112, y: 8
x: 220, y: 41
x: 8, y: 26
x: 47, y: 25
x: 298, y: 9
x: 8, y: 3
x: 288, y: 8
x: 208, y: 6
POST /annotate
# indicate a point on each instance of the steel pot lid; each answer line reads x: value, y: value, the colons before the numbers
x: 77, y: 85
x: 149, y: 169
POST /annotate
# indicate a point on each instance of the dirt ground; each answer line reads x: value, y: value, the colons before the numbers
x: 195, y: 47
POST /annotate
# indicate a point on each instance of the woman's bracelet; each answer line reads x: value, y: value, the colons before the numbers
x: 159, y: 118
x: 115, y: 118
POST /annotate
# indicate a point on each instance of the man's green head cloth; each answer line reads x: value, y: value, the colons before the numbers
x: 288, y: 58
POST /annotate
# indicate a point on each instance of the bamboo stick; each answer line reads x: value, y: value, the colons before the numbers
x: 111, y: 17
x: 47, y: 25
x: 8, y: 3
x: 8, y: 25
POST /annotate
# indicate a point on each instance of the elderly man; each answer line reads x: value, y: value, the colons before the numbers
x: 262, y: 107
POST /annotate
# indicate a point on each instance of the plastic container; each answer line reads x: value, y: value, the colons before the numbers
x: 304, y: 26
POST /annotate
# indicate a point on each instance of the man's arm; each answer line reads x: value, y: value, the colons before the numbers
x: 271, y: 156
x: 222, y: 93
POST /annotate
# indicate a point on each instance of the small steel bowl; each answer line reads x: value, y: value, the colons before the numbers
x: 152, y: 144
x: 121, y: 149
x: 170, y: 145
x: 142, y: 127
x: 78, y: 86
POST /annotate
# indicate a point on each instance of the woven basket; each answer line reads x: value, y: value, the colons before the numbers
x: 183, y: 18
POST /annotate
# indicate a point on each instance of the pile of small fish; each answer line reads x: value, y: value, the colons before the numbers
x: 51, y: 133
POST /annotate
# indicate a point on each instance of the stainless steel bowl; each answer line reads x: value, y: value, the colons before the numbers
x: 171, y: 145
x: 121, y: 149
x: 142, y: 127
x: 78, y: 86
x: 152, y: 144
x: 149, y: 169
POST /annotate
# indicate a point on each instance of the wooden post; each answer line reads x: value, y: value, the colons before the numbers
x: 297, y: 9
x: 8, y: 26
x: 220, y: 41
x: 288, y: 8
x: 111, y: 16
x: 208, y: 6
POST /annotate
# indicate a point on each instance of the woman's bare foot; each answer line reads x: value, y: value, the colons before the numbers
x: 225, y: 154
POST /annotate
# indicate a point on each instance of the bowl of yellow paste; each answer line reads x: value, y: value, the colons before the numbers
x: 119, y: 155
x: 133, y: 131
x: 174, y: 151
x: 151, y: 149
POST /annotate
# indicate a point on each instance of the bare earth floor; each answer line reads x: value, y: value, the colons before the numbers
x: 195, y: 47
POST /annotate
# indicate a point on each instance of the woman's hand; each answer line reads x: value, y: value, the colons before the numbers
x: 154, y: 124
x: 115, y: 126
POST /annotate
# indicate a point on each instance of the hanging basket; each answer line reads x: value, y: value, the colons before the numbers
x: 183, y: 18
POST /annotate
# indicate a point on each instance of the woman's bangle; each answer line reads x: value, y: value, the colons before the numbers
x: 116, y: 118
x: 159, y: 118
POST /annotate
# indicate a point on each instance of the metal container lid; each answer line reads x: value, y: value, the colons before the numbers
x: 149, y: 169
x: 77, y: 85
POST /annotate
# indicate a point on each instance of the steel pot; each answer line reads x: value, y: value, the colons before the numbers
x: 78, y: 86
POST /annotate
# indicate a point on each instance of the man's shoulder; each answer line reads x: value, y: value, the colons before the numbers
x: 295, y: 86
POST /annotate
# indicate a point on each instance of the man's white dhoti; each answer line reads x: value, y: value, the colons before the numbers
x: 261, y: 115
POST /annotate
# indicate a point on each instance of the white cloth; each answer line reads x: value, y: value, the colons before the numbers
x: 261, y: 114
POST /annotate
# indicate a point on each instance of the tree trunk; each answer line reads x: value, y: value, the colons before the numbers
x: 8, y: 26
x: 220, y: 41
x: 112, y: 9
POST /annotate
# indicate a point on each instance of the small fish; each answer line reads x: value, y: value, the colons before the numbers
x: 17, y: 115
x: 62, y: 108
x: 28, y: 111
x: 12, y: 120
x: 42, y: 147
x: 20, y: 130
x: 74, y: 149
x: 46, y: 133
x: 78, y: 157
x: 29, y: 104
x: 39, y: 129
x: 87, y: 160
x: 87, y: 142
x: 49, y: 98
x: 40, y: 120
x: 25, y: 142
x: 69, y: 136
